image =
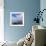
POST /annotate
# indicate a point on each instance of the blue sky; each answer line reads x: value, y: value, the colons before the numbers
x: 17, y: 17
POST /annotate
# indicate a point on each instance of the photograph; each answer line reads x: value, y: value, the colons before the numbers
x: 17, y: 18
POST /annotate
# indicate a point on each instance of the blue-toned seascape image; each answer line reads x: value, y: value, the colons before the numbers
x: 16, y: 19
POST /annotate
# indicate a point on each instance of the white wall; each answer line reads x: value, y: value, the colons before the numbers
x: 43, y: 6
x: 1, y: 21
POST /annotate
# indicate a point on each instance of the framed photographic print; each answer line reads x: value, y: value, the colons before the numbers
x: 16, y: 18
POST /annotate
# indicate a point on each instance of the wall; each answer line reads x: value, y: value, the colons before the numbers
x: 29, y: 7
x: 43, y: 6
x: 1, y: 21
